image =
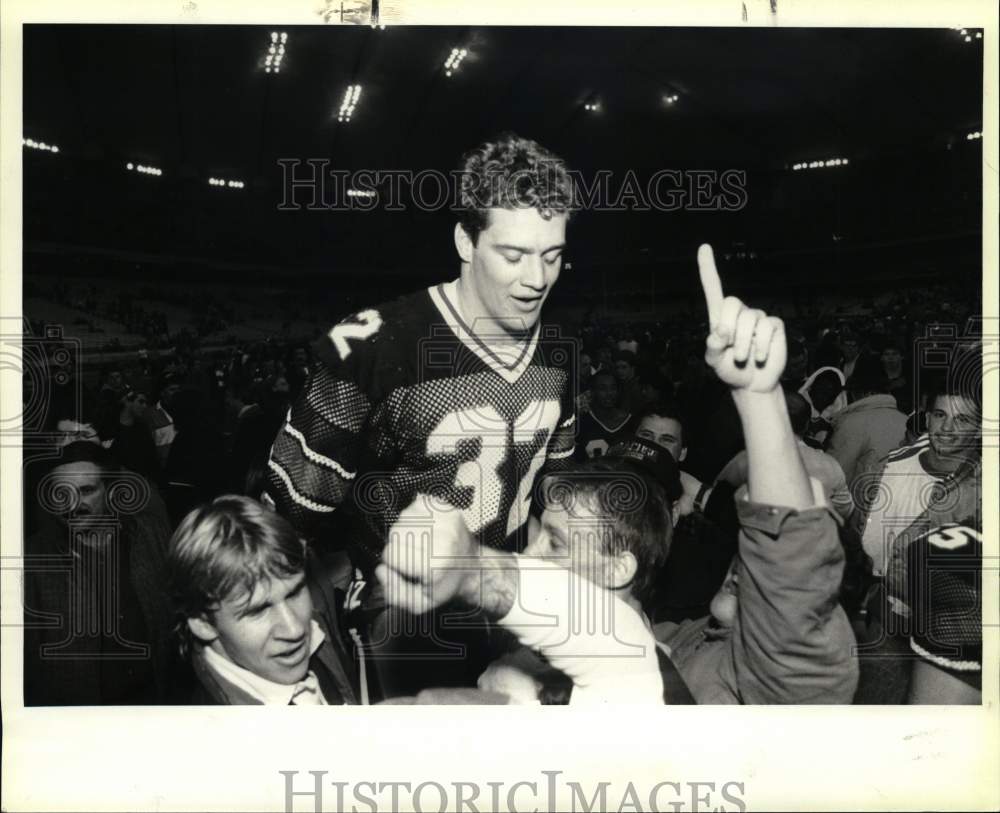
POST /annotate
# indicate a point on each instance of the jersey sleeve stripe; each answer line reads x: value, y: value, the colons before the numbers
x: 296, y: 496
x: 316, y: 457
x: 939, y: 660
x: 905, y: 452
x: 562, y: 454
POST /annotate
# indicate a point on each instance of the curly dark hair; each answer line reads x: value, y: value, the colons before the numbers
x: 511, y: 172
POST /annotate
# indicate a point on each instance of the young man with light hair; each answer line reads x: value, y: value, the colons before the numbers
x: 257, y: 628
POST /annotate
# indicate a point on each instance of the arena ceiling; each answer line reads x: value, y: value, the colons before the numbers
x: 196, y: 102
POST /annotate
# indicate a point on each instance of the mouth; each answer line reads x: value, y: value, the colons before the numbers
x: 527, y: 303
x: 293, y: 656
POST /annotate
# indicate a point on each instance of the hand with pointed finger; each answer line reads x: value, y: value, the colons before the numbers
x: 745, y: 346
x: 429, y: 559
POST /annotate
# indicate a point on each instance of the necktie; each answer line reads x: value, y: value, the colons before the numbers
x: 307, y: 692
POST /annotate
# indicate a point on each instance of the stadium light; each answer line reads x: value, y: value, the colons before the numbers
x: 350, y: 101
x: 454, y: 60
x: 231, y: 184
x: 39, y: 145
x: 967, y: 35
x: 275, y: 52
x: 143, y: 169
x: 974, y: 135
x: 827, y: 162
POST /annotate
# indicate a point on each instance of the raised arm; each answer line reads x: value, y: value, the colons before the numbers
x: 747, y: 350
x: 791, y: 642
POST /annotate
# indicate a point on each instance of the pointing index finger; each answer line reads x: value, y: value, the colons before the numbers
x: 710, y: 284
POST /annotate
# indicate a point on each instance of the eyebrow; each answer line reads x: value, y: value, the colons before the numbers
x: 249, y: 609
x: 523, y: 250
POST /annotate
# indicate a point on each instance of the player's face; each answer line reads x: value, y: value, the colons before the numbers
x: 953, y: 424
x: 571, y: 538
x: 269, y: 634
x: 515, y: 262
x: 605, y: 391
x: 850, y: 348
x: 665, y: 433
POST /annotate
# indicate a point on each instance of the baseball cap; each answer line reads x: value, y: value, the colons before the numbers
x: 654, y: 461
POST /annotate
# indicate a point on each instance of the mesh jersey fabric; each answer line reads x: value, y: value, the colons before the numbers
x: 406, y: 399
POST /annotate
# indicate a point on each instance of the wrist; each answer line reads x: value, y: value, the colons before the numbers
x: 492, y: 585
x: 749, y: 399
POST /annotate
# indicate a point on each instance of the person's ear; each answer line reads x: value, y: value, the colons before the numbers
x: 684, y: 454
x: 623, y: 570
x: 463, y: 243
x: 202, y: 629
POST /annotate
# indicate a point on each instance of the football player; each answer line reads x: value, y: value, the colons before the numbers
x: 455, y: 391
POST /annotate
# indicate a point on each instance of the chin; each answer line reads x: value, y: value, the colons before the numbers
x: 519, y: 324
x: 287, y: 677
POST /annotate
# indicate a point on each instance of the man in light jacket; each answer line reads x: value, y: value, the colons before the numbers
x: 868, y: 428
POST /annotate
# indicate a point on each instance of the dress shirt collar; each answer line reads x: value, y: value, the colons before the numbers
x: 262, y: 689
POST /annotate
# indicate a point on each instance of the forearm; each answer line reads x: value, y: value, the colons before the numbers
x: 775, y: 473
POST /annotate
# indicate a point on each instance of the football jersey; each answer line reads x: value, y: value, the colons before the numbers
x: 944, y: 578
x: 405, y: 399
x: 594, y: 437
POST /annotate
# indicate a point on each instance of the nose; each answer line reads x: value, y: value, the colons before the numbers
x: 290, y: 626
x: 533, y: 276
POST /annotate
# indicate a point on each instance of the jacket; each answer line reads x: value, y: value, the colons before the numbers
x: 791, y: 642
x: 864, y: 432
x: 51, y: 589
x: 332, y: 662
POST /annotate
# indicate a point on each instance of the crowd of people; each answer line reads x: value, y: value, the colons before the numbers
x: 756, y: 510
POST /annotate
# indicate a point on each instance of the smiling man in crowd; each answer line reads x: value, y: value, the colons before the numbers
x: 257, y: 628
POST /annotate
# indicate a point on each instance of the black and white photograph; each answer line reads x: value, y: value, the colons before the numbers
x: 354, y: 361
